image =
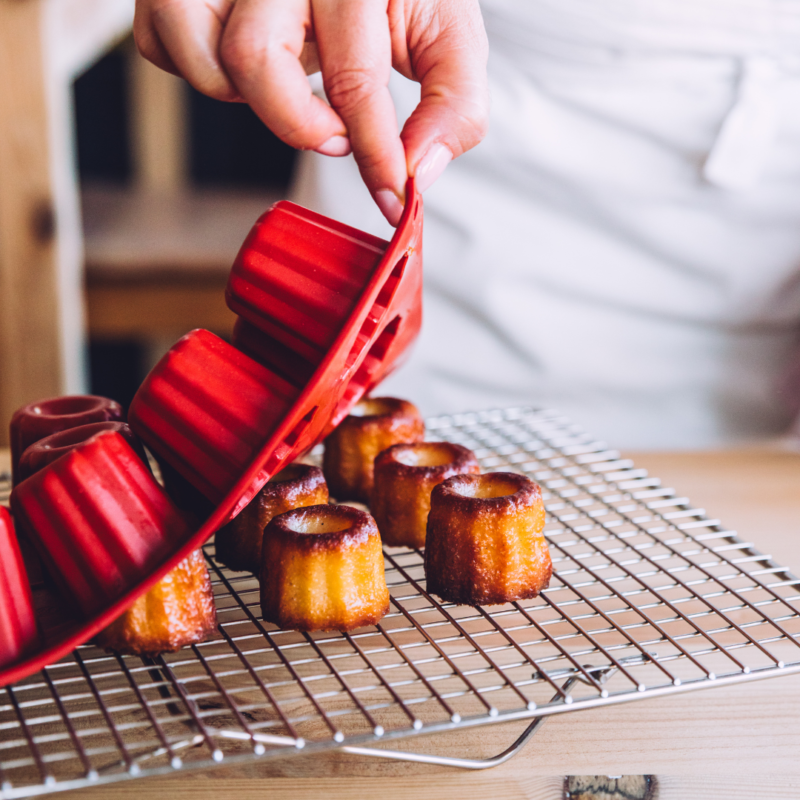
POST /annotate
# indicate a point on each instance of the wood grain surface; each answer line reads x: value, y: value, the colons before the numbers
x: 30, y: 354
x: 43, y: 46
x: 161, y: 308
x: 734, y: 742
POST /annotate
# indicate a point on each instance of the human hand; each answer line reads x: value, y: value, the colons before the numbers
x: 260, y: 51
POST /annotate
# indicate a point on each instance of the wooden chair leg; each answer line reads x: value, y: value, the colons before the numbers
x: 43, y: 46
x: 31, y: 363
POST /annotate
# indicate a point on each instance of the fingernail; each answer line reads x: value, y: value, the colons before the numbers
x: 335, y: 146
x: 390, y: 205
x: 432, y: 166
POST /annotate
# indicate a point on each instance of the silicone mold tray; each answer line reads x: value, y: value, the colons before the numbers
x: 382, y: 321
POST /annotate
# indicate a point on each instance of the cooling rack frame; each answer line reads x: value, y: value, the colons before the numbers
x: 650, y: 597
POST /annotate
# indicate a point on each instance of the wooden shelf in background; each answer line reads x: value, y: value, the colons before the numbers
x: 142, y: 311
x: 44, y: 46
x: 157, y: 262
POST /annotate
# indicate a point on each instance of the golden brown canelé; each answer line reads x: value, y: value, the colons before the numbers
x: 373, y: 425
x: 322, y: 570
x: 484, y: 541
x: 178, y: 611
x: 238, y: 544
x: 405, y: 475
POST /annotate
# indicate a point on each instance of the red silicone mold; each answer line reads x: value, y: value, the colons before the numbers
x: 37, y: 420
x: 18, y: 630
x: 207, y: 409
x: 347, y: 306
x: 99, y: 520
x: 299, y: 275
x: 52, y: 447
x: 273, y: 354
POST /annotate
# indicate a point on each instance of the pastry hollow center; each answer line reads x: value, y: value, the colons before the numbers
x: 486, y: 487
x: 370, y: 408
x: 66, y: 406
x: 425, y: 456
x: 318, y: 524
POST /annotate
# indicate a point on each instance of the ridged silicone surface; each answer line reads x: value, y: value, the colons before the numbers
x: 299, y: 276
x: 99, y: 520
x: 18, y: 631
x: 207, y: 409
x: 373, y: 337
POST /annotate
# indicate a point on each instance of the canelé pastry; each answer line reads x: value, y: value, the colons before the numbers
x: 484, y: 543
x: 239, y: 542
x: 18, y: 631
x: 322, y: 570
x: 178, y: 611
x: 44, y: 417
x: 99, y: 520
x: 405, y: 475
x: 374, y: 424
x: 47, y: 450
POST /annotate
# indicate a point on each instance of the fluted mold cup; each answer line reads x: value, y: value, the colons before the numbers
x: 45, y: 417
x: 299, y: 275
x: 18, y: 631
x: 206, y: 409
x: 99, y: 520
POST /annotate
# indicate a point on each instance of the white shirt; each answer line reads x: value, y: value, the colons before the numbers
x: 625, y: 244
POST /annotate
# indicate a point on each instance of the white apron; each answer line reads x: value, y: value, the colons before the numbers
x: 625, y: 244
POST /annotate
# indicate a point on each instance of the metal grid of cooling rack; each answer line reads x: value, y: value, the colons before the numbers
x: 648, y: 597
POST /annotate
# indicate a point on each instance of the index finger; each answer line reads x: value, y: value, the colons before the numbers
x: 261, y: 51
x: 355, y: 52
x: 182, y: 37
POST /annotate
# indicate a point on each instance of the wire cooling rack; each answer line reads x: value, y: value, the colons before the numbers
x: 649, y: 597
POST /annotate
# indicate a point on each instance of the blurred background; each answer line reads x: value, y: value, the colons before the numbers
x: 640, y: 219
x: 124, y: 198
x: 170, y: 182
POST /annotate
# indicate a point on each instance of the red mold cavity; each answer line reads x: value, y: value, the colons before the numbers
x: 99, y: 520
x: 18, y: 632
x: 52, y: 447
x: 299, y: 275
x: 206, y: 409
x: 44, y: 417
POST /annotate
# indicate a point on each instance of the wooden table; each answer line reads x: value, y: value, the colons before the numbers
x: 734, y: 742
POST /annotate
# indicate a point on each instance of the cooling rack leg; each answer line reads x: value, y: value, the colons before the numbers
x: 448, y: 761
x: 470, y: 763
